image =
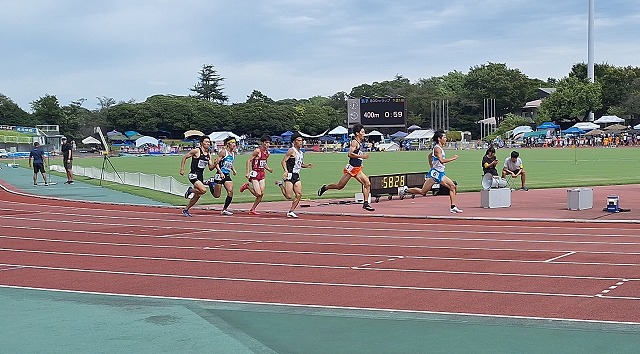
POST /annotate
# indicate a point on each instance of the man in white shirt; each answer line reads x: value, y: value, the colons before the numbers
x: 513, y: 167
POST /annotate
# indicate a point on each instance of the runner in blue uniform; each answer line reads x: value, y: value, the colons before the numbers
x: 224, y: 165
x: 436, y: 173
x: 200, y: 159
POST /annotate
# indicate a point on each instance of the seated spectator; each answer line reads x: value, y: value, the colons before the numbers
x: 489, y: 162
x: 513, y: 167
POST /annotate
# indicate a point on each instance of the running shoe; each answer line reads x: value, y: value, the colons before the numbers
x: 279, y: 184
x: 253, y: 212
x: 402, y: 190
x: 291, y: 215
x: 455, y: 209
x: 525, y: 188
x: 189, y: 193
x: 46, y: 183
x: 35, y: 184
x: 244, y: 187
x: 186, y: 212
x: 226, y: 212
x: 367, y: 207
x: 322, y: 190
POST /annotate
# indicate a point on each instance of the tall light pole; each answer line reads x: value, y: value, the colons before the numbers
x: 590, y: 65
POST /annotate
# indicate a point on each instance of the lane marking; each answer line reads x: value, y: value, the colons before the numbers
x: 306, y: 283
x: 561, y: 256
x: 364, y: 267
x: 613, y: 287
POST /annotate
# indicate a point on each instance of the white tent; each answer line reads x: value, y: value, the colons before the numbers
x: 148, y: 140
x: 389, y: 147
x: 636, y: 127
x: 609, y: 119
x: 218, y: 137
x: 374, y: 133
x: 586, y: 126
x: 420, y: 134
x: 90, y: 140
x: 339, y: 130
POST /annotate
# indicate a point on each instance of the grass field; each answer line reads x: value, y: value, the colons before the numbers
x: 546, y: 168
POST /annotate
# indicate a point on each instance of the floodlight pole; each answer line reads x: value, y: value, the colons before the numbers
x: 590, y: 65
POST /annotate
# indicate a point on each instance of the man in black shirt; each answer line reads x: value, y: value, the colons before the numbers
x: 67, y: 159
x: 38, y: 163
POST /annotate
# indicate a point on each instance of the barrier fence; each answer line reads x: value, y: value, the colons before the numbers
x: 137, y: 179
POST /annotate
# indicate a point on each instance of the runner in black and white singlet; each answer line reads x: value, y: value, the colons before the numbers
x: 292, y: 163
x: 436, y: 174
x: 200, y: 159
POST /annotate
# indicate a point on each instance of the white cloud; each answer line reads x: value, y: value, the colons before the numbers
x: 291, y: 48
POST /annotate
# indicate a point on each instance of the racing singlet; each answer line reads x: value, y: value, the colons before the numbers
x: 437, y: 165
x: 199, y: 164
x: 356, y: 162
x: 259, y: 163
x: 294, y: 164
x: 226, y: 163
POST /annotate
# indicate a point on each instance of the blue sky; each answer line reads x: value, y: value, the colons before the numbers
x: 132, y: 49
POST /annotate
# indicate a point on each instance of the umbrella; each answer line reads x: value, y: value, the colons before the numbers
x: 413, y: 127
x: 615, y: 128
x: 339, y: 130
x: 113, y: 132
x: 90, y: 140
x: 399, y: 134
x: 149, y: 140
x: 192, y: 132
x: 594, y: 132
x: 131, y: 133
x: 586, y: 125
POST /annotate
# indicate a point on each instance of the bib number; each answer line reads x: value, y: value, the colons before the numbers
x: 289, y: 175
x: 193, y: 176
x: 348, y: 167
x: 202, y: 164
x: 253, y: 174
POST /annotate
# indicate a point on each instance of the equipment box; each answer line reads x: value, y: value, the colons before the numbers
x: 495, y: 198
x: 579, y: 198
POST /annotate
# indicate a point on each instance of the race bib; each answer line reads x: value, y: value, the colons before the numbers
x: 217, y: 177
x: 434, y: 174
x: 348, y: 167
x: 202, y: 163
x: 193, y: 176
x: 289, y: 175
x: 253, y: 174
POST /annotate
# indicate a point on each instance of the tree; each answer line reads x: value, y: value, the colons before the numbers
x: 47, y: 110
x: 572, y: 100
x: 209, y: 86
x: 257, y: 96
x: 11, y: 113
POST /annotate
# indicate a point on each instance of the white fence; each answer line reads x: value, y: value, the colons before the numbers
x: 158, y: 183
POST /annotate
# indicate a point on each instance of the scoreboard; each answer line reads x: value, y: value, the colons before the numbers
x: 379, y: 112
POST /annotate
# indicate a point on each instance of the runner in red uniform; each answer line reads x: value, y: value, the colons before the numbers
x: 256, y: 166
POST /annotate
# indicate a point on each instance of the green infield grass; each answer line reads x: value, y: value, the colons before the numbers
x: 546, y: 168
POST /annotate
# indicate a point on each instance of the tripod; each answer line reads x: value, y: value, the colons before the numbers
x: 105, y: 159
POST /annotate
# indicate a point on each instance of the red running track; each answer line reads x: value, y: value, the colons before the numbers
x: 561, y: 270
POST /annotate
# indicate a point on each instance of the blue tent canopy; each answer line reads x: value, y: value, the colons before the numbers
x: 286, y: 136
x: 548, y: 125
x: 398, y: 134
x: 574, y: 130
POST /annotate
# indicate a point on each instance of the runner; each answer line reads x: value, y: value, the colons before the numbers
x: 437, y: 160
x: 292, y: 163
x: 256, y: 166
x: 224, y: 165
x: 200, y: 159
x: 354, y: 168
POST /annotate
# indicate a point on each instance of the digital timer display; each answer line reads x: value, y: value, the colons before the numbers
x: 378, y: 112
x: 388, y: 184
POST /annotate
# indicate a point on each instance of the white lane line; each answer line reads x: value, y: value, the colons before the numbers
x: 183, y: 222
x: 364, y: 267
x: 306, y: 283
x: 561, y: 256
